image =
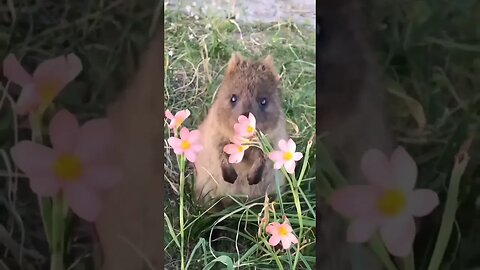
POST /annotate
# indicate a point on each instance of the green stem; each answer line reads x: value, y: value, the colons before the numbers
x: 182, y: 187
x: 409, y: 262
x: 296, y: 199
x: 377, y: 246
x: 448, y: 217
x: 305, y: 162
x: 330, y: 166
x: 56, y: 261
x: 58, y: 233
x: 45, y: 204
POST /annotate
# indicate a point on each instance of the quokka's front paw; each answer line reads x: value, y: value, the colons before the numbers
x: 255, y: 173
x: 228, y: 172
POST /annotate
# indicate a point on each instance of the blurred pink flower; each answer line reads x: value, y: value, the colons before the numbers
x: 281, y: 233
x: 188, y: 144
x: 389, y: 203
x: 177, y: 120
x: 245, y: 126
x: 48, y: 79
x: 79, y: 164
x: 286, y: 156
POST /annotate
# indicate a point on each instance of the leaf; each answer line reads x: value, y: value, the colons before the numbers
x: 227, y: 261
x: 414, y: 107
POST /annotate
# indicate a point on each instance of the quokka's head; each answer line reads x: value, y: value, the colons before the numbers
x: 250, y: 87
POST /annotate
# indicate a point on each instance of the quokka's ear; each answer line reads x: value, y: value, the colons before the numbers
x: 234, y: 62
x: 269, y: 64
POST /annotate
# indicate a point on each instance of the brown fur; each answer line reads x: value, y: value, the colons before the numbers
x: 351, y: 112
x: 250, y: 81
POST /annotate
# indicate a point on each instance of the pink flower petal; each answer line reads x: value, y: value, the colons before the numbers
x: 95, y: 140
x: 184, y: 133
x: 235, y: 158
x: 64, y: 130
x: 197, y: 148
x: 191, y: 156
x: 44, y: 185
x: 169, y: 115
x: 361, y: 230
x: 290, y: 166
x: 74, y: 66
x: 421, y: 202
x: 278, y: 164
x: 251, y: 119
x: 28, y: 100
x: 194, y: 136
x: 84, y: 202
x: 297, y: 156
x: 272, y: 227
x: 291, y: 145
x: 287, y: 227
x: 13, y: 70
x: 398, y: 235
x: 355, y: 201
x: 274, y: 240
x: 230, y: 149
x: 103, y: 176
x: 404, y: 169
x: 183, y: 114
x: 242, y: 119
x: 292, y: 238
x: 52, y: 70
x: 275, y: 156
x: 286, y: 242
x: 174, y: 142
x: 283, y: 145
x: 377, y: 168
x: 33, y: 158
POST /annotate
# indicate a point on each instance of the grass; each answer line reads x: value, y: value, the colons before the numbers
x: 197, y: 52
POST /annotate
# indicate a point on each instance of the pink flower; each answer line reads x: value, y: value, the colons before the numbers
x: 245, y: 126
x: 286, y: 156
x: 79, y: 164
x: 389, y: 203
x: 188, y: 144
x: 177, y: 120
x: 281, y: 233
x: 48, y: 79
x: 236, y: 149
x: 236, y: 152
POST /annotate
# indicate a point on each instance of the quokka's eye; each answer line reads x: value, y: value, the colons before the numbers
x: 233, y: 99
x: 263, y: 101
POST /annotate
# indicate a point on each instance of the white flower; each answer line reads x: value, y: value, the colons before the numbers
x: 170, y: 52
x: 190, y: 36
x: 208, y: 26
x: 196, y: 17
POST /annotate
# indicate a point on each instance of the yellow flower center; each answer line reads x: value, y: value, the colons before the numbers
x: 240, y: 149
x: 392, y: 203
x: 179, y: 121
x: 282, y: 231
x: 185, y: 145
x: 287, y: 156
x: 250, y: 129
x: 68, y: 167
x: 48, y: 91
